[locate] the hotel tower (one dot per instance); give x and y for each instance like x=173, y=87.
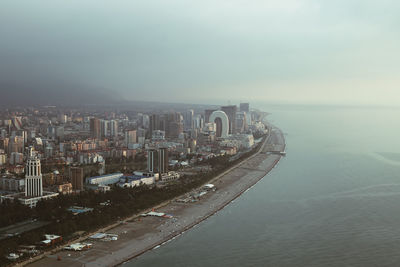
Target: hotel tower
x=33, y=177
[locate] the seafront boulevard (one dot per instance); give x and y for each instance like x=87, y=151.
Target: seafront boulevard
x=140, y=234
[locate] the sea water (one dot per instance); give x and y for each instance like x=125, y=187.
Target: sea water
x=334, y=200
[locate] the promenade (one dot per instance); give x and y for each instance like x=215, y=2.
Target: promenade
x=140, y=234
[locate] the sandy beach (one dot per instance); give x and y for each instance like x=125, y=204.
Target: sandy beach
x=140, y=234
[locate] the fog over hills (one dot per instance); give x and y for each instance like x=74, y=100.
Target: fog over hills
x=20, y=93
x=291, y=51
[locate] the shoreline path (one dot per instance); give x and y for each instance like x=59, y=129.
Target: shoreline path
x=137, y=236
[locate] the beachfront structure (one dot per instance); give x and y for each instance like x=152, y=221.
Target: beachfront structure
x=240, y=141
x=78, y=246
x=105, y=179
x=137, y=179
x=170, y=176
x=222, y=123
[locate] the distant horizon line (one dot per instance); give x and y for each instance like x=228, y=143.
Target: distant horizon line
x=213, y=103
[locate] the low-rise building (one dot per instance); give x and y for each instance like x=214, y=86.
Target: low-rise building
x=12, y=184
x=103, y=188
x=29, y=201
x=137, y=179
x=170, y=176
x=105, y=179
x=64, y=188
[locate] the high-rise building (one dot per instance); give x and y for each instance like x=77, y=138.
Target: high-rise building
x=62, y=118
x=3, y=159
x=16, y=158
x=157, y=160
x=231, y=112
x=198, y=122
x=245, y=107
x=16, y=144
x=174, y=129
x=60, y=133
x=163, y=160
x=154, y=123
x=241, y=122
x=188, y=119
x=130, y=137
x=152, y=160
x=51, y=131
x=17, y=122
x=76, y=175
x=146, y=121
x=114, y=128
x=33, y=177
x=95, y=128
x=173, y=124
x=104, y=128
x=207, y=114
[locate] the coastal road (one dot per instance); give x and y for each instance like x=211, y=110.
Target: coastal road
x=142, y=234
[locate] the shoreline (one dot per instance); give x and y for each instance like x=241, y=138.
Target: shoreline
x=144, y=234
x=213, y=212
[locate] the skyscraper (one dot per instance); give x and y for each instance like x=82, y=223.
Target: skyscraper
x=241, y=122
x=188, y=119
x=114, y=128
x=157, y=160
x=17, y=122
x=245, y=107
x=163, y=160
x=231, y=112
x=154, y=123
x=95, y=128
x=33, y=177
x=207, y=114
x=173, y=124
x=104, y=128
x=152, y=160
x=130, y=137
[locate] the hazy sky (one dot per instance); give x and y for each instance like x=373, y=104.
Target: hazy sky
x=306, y=51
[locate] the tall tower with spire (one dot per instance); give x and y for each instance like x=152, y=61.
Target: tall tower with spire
x=33, y=176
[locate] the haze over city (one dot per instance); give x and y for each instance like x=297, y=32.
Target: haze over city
x=305, y=51
x=199, y=133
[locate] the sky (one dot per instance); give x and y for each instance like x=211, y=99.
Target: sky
x=281, y=51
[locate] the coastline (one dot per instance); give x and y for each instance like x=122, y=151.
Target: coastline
x=140, y=235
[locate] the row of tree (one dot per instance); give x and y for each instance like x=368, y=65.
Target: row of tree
x=124, y=202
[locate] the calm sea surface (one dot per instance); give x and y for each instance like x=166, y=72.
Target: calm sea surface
x=334, y=200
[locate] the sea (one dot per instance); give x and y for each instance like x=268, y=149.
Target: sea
x=334, y=200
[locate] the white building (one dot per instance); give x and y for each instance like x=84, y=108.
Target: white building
x=105, y=179
x=222, y=123
x=33, y=177
x=33, y=184
x=137, y=179
x=244, y=141
x=170, y=176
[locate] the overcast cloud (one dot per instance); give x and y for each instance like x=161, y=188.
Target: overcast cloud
x=296, y=51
